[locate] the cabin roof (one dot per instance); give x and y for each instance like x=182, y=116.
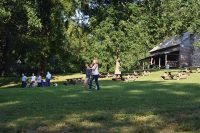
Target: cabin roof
x=173, y=41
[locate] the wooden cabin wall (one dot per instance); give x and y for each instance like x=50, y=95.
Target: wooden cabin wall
x=196, y=57
x=186, y=50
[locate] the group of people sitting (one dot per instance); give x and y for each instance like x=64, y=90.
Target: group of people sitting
x=36, y=81
x=169, y=76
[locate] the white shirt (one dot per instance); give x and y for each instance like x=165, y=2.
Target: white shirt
x=39, y=79
x=48, y=76
x=33, y=78
x=24, y=78
x=95, y=69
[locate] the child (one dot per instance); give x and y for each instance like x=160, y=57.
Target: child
x=88, y=75
x=42, y=83
x=24, y=78
x=39, y=80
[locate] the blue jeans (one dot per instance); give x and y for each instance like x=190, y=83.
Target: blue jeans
x=39, y=84
x=47, y=82
x=23, y=84
x=94, y=77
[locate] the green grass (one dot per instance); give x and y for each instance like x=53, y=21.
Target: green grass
x=148, y=105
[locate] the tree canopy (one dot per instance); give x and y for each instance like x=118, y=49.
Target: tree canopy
x=39, y=35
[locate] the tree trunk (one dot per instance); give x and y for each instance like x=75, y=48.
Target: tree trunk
x=43, y=65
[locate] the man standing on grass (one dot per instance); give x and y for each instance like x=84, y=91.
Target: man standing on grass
x=48, y=78
x=24, y=78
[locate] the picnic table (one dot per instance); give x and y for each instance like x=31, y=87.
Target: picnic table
x=193, y=69
x=106, y=75
x=73, y=81
x=180, y=75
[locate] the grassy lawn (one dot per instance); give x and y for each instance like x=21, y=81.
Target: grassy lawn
x=148, y=105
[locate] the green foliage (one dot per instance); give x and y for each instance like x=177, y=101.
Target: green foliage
x=42, y=36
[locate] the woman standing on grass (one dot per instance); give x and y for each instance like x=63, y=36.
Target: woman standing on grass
x=95, y=74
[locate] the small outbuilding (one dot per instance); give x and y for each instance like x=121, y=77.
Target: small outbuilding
x=178, y=51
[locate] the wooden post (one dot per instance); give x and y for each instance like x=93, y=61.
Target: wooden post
x=143, y=65
x=159, y=62
x=165, y=59
x=151, y=61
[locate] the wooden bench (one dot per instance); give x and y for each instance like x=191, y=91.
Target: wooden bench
x=182, y=76
x=146, y=73
x=106, y=75
x=131, y=78
x=193, y=69
x=118, y=78
x=135, y=73
x=74, y=81
x=198, y=70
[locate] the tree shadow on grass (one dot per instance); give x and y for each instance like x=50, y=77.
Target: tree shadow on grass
x=141, y=106
x=8, y=81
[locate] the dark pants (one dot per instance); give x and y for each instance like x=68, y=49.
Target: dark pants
x=94, y=77
x=39, y=84
x=23, y=84
x=47, y=82
x=31, y=84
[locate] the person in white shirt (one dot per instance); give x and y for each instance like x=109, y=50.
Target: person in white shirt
x=95, y=74
x=33, y=79
x=24, y=78
x=39, y=80
x=48, y=79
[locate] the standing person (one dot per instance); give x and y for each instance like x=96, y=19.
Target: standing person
x=33, y=78
x=87, y=75
x=117, y=68
x=48, y=78
x=24, y=78
x=39, y=81
x=95, y=74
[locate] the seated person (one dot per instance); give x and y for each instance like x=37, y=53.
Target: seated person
x=135, y=73
x=170, y=75
x=165, y=76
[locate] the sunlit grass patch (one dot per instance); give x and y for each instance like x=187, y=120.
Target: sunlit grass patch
x=148, y=105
